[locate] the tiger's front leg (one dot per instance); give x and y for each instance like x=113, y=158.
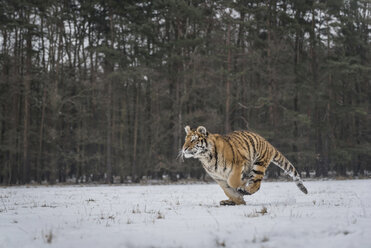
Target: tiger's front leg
x=235, y=198
x=230, y=187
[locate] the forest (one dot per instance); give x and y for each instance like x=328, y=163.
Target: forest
x=100, y=91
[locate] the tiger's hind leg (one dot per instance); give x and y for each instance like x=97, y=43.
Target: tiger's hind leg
x=255, y=177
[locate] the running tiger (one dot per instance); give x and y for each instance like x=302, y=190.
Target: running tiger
x=236, y=161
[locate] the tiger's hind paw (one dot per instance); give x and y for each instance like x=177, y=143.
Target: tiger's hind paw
x=243, y=191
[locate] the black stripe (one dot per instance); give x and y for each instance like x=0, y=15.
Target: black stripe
x=247, y=139
x=275, y=156
x=256, y=180
x=240, y=144
x=227, y=139
x=262, y=156
x=258, y=172
x=210, y=157
x=244, y=145
x=247, y=146
x=239, y=141
x=258, y=142
x=259, y=163
x=252, y=144
x=282, y=160
x=253, y=136
x=244, y=175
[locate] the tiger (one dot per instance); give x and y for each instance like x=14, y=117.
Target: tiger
x=236, y=161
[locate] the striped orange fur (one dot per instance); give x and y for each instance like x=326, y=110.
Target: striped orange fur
x=236, y=161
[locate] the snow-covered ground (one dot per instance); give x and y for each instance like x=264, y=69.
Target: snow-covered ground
x=333, y=214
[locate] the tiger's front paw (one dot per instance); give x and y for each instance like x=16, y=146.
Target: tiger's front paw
x=227, y=203
x=243, y=191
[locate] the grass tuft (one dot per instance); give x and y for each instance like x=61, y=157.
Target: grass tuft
x=49, y=237
x=256, y=213
x=220, y=243
x=160, y=215
x=265, y=239
x=263, y=211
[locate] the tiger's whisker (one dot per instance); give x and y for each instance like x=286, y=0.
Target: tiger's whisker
x=180, y=156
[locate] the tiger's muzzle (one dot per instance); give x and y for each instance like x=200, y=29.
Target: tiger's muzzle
x=189, y=153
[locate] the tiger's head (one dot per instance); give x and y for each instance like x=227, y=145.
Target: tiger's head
x=195, y=145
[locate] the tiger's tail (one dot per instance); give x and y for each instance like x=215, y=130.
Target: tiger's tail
x=282, y=162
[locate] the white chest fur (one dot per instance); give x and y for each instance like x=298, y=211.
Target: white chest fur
x=215, y=170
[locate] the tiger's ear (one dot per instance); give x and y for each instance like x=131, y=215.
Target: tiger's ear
x=187, y=129
x=202, y=130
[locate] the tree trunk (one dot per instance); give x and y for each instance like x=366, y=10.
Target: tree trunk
x=298, y=37
x=109, y=69
x=320, y=170
x=41, y=134
x=228, y=82
x=269, y=66
x=109, y=133
x=55, y=105
x=134, y=168
x=26, y=116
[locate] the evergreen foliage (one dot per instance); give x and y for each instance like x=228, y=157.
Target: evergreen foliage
x=93, y=89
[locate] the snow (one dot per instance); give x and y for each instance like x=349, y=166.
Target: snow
x=333, y=214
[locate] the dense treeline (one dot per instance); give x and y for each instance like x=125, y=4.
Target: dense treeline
x=92, y=90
